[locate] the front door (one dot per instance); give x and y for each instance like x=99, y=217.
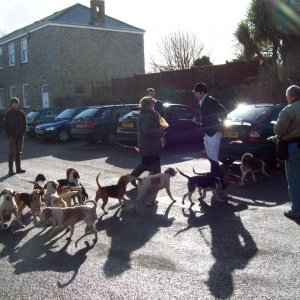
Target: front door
x=45, y=96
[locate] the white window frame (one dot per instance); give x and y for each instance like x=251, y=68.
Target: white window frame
x=1, y=58
x=25, y=89
x=2, y=98
x=24, y=50
x=11, y=54
x=12, y=91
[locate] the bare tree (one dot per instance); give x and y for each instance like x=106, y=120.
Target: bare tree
x=176, y=51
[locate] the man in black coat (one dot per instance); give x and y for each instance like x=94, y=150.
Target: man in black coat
x=14, y=124
x=210, y=114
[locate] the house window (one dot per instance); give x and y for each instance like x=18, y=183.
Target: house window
x=26, y=95
x=1, y=98
x=11, y=54
x=1, y=58
x=13, y=91
x=24, y=50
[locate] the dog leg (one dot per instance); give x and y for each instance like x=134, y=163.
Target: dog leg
x=190, y=198
x=18, y=219
x=105, y=200
x=71, y=232
x=184, y=196
x=170, y=195
x=253, y=177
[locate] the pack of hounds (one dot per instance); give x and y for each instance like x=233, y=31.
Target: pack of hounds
x=64, y=202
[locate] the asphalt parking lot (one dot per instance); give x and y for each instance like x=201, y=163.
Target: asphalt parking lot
x=243, y=249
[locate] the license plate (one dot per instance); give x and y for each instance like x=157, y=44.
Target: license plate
x=38, y=131
x=230, y=134
x=127, y=125
x=80, y=126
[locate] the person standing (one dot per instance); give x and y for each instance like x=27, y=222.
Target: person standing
x=209, y=115
x=150, y=133
x=288, y=128
x=14, y=124
x=159, y=105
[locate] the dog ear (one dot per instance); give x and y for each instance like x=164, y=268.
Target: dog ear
x=2, y=192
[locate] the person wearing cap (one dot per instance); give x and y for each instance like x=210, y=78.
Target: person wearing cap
x=159, y=105
x=209, y=116
x=14, y=124
x=150, y=133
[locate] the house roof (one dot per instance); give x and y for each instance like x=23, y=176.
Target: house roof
x=75, y=15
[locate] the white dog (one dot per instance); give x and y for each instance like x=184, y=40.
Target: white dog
x=9, y=207
x=67, y=217
x=154, y=183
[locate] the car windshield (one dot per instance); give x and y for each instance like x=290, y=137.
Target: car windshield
x=249, y=113
x=86, y=114
x=66, y=114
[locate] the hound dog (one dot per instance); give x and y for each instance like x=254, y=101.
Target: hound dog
x=32, y=200
x=9, y=207
x=55, y=199
x=67, y=217
x=204, y=183
x=154, y=183
x=113, y=191
x=72, y=180
x=226, y=180
x=252, y=165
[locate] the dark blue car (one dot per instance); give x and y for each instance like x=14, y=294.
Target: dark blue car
x=60, y=128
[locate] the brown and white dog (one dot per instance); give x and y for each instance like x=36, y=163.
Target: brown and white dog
x=154, y=183
x=72, y=180
x=67, y=217
x=252, y=165
x=55, y=198
x=9, y=207
x=116, y=191
x=32, y=200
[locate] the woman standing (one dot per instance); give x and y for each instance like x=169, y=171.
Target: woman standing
x=150, y=135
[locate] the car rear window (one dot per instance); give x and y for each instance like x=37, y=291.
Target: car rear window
x=67, y=113
x=30, y=116
x=249, y=113
x=86, y=114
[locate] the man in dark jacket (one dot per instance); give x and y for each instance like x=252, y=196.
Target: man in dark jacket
x=14, y=124
x=210, y=114
x=159, y=105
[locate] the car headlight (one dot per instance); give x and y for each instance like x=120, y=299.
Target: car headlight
x=50, y=128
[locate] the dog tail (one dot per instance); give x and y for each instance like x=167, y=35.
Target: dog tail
x=183, y=174
x=198, y=173
x=97, y=181
x=91, y=201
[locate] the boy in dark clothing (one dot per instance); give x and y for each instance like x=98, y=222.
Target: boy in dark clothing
x=14, y=124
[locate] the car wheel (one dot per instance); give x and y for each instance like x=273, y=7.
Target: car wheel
x=111, y=139
x=92, y=141
x=64, y=136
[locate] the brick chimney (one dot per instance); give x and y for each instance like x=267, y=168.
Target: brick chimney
x=97, y=12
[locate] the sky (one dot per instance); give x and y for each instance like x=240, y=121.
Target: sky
x=212, y=21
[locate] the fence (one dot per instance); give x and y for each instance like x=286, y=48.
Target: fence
x=233, y=73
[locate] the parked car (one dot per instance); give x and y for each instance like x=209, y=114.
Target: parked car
x=60, y=128
x=246, y=130
x=182, y=128
x=40, y=116
x=99, y=123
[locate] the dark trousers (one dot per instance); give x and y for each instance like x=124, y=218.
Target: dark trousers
x=15, y=146
x=148, y=163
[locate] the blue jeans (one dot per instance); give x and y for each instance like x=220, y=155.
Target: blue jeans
x=292, y=169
